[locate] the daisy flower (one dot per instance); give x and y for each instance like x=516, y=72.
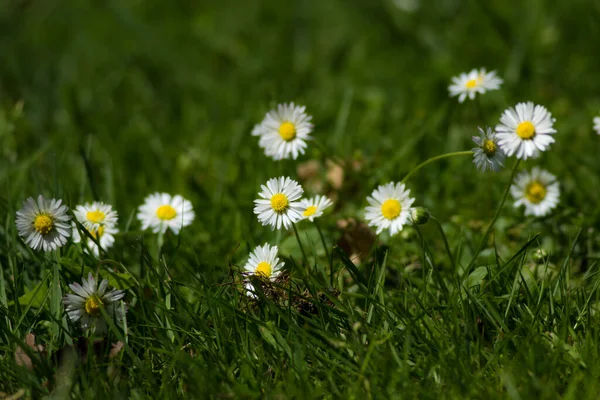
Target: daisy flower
x=43, y=224
x=538, y=190
x=476, y=81
x=278, y=205
x=525, y=130
x=597, y=125
x=95, y=215
x=161, y=211
x=314, y=207
x=284, y=132
x=104, y=234
x=389, y=208
x=487, y=154
x=86, y=303
x=262, y=262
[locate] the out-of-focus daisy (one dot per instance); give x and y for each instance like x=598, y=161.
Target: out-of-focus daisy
x=104, y=235
x=278, y=205
x=161, y=211
x=597, y=125
x=537, y=190
x=95, y=215
x=284, y=132
x=86, y=303
x=476, y=81
x=389, y=208
x=44, y=224
x=262, y=262
x=487, y=154
x=525, y=130
x=314, y=207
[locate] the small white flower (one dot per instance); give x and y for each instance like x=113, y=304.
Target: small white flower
x=314, y=207
x=43, y=225
x=262, y=262
x=389, y=208
x=86, y=304
x=278, y=205
x=104, y=234
x=525, y=130
x=95, y=215
x=538, y=190
x=597, y=125
x=476, y=81
x=487, y=154
x=284, y=132
x=161, y=211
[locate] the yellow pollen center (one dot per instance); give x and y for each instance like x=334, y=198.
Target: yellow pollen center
x=489, y=147
x=97, y=234
x=535, y=192
x=95, y=216
x=287, y=131
x=310, y=210
x=93, y=305
x=166, y=212
x=391, y=208
x=471, y=84
x=279, y=202
x=43, y=224
x=526, y=130
x=264, y=269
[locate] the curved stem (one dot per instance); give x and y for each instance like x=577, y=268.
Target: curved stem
x=300, y=244
x=432, y=159
x=329, y=258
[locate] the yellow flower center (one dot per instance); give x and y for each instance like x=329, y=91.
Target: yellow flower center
x=98, y=233
x=526, y=130
x=471, y=84
x=310, y=210
x=93, y=304
x=95, y=216
x=43, y=224
x=535, y=192
x=287, y=131
x=489, y=147
x=391, y=208
x=166, y=212
x=264, y=269
x=279, y=202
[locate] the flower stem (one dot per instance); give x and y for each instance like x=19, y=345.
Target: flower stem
x=494, y=219
x=432, y=159
x=329, y=257
x=300, y=244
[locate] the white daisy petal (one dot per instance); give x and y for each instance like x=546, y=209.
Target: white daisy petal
x=487, y=154
x=41, y=223
x=476, y=81
x=280, y=206
x=313, y=208
x=161, y=211
x=389, y=208
x=597, y=125
x=537, y=190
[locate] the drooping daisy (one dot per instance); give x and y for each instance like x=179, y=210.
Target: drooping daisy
x=284, y=132
x=476, y=81
x=44, y=224
x=95, y=215
x=263, y=262
x=278, y=205
x=161, y=211
x=389, y=208
x=538, y=190
x=597, y=125
x=314, y=207
x=487, y=154
x=525, y=130
x=104, y=235
x=86, y=303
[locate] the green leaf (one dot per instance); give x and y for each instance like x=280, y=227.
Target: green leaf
x=476, y=277
x=36, y=296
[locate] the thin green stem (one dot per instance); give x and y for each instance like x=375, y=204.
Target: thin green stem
x=329, y=258
x=494, y=219
x=300, y=244
x=432, y=159
x=446, y=244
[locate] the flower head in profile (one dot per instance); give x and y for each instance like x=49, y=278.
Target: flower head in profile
x=389, y=208
x=264, y=263
x=537, y=190
x=104, y=235
x=161, y=211
x=597, y=125
x=477, y=81
x=44, y=224
x=88, y=301
x=96, y=214
x=283, y=132
x=525, y=130
x=278, y=204
x=314, y=207
x=487, y=154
